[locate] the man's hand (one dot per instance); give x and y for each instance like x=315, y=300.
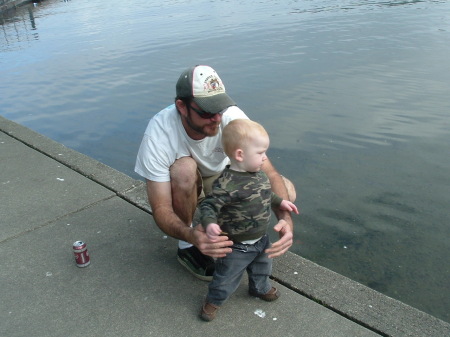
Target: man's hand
x=284, y=243
x=217, y=248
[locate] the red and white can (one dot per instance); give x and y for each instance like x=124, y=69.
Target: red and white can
x=81, y=254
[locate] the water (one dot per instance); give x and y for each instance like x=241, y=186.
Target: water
x=355, y=96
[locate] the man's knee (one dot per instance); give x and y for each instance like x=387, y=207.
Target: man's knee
x=183, y=174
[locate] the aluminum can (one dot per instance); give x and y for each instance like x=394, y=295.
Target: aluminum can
x=81, y=254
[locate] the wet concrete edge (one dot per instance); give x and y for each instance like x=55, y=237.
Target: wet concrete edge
x=367, y=307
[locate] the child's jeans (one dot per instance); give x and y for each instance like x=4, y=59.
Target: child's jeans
x=230, y=269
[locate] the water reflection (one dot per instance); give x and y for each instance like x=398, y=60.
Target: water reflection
x=17, y=28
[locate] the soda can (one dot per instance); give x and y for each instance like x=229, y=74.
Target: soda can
x=81, y=254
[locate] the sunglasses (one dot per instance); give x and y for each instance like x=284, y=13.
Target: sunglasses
x=204, y=114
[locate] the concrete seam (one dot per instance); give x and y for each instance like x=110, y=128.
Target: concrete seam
x=48, y=223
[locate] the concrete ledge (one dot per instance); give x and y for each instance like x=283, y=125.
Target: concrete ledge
x=348, y=298
x=355, y=301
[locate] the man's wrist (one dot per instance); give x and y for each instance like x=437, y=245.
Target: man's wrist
x=286, y=216
x=190, y=235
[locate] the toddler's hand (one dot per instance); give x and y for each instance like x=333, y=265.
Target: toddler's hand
x=288, y=206
x=213, y=231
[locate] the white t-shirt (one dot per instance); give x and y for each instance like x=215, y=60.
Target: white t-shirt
x=165, y=140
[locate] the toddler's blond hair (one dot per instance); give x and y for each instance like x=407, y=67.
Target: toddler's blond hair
x=238, y=133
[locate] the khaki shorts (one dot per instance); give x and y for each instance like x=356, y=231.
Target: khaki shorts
x=204, y=185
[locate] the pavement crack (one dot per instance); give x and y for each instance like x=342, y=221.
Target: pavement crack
x=58, y=218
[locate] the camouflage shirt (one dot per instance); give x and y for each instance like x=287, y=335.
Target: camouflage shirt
x=240, y=203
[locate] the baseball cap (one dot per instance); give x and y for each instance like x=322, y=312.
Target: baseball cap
x=204, y=86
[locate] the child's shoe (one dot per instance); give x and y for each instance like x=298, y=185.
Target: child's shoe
x=208, y=312
x=270, y=296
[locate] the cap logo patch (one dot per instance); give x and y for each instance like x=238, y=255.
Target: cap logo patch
x=211, y=84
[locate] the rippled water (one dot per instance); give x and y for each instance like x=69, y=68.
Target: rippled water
x=355, y=96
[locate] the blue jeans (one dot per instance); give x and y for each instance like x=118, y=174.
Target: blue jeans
x=230, y=269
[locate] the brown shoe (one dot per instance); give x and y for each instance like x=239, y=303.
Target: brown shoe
x=208, y=312
x=270, y=296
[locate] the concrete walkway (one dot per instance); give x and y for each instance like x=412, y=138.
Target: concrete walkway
x=51, y=196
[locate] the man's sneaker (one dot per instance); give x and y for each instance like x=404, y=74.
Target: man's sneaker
x=270, y=296
x=208, y=312
x=201, y=266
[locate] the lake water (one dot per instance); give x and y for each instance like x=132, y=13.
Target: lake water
x=354, y=94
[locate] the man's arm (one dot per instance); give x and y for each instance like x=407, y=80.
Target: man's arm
x=160, y=199
x=285, y=226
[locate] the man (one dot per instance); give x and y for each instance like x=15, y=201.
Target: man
x=181, y=155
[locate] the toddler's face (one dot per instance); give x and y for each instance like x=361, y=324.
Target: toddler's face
x=255, y=153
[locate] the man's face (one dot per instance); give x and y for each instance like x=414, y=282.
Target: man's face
x=198, y=127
